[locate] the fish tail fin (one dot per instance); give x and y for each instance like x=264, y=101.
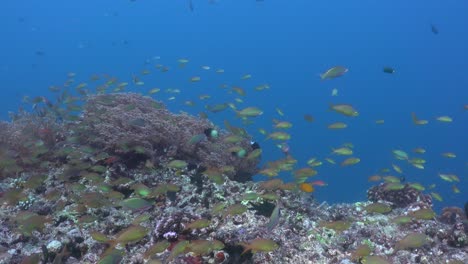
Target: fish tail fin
x=413, y=116
x=246, y=248
x=112, y=243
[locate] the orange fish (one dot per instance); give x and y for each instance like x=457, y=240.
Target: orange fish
x=375, y=178
x=306, y=187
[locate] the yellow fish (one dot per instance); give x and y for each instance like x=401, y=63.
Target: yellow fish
x=350, y=161
x=344, y=109
x=334, y=72
x=446, y=119
x=337, y=125
x=450, y=155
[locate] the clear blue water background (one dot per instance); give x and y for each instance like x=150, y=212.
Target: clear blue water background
x=285, y=44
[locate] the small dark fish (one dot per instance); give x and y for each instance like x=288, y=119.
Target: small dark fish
x=254, y=145
x=211, y=133
x=388, y=70
x=434, y=29
x=40, y=53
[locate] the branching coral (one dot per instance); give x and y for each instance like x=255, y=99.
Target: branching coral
x=123, y=124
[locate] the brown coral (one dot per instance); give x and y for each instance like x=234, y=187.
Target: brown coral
x=399, y=198
x=451, y=215
x=126, y=124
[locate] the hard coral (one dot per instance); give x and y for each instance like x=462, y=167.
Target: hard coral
x=193, y=260
x=169, y=227
x=450, y=215
x=459, y=236
x=399, y=198
x=26, y=142
x=131, y=124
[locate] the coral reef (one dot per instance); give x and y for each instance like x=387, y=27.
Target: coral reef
x=399, y=198
x=127, y=182
x=129, y=124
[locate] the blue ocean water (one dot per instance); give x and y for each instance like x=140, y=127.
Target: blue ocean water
x=285, y=44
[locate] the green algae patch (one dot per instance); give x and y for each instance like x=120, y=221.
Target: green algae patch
x=411, y=241
x=135, y=204
x=380, y=208
x=338, y=226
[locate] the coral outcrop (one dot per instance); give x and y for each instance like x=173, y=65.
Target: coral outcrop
x=129, y=182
